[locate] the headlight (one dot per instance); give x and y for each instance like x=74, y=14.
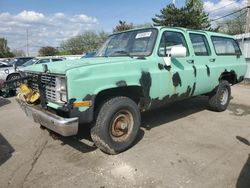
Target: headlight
x=63, y=86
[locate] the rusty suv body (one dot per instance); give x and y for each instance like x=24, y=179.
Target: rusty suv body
x=143, y=68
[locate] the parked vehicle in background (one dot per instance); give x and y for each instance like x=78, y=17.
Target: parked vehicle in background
x=19, y=61
x=4, y=64
x=9, y=73
x=38, y=60
x=133, y=71
x=89, y=55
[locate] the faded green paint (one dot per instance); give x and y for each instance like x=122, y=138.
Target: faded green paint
x=93, y=75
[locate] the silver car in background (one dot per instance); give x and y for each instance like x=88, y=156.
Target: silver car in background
x=13, y=72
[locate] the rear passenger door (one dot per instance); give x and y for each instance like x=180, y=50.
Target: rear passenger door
x=228, y=55
x=203, y=59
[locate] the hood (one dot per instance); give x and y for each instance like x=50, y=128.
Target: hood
x=61, y=67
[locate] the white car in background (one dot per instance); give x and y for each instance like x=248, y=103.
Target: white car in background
x=10, y=73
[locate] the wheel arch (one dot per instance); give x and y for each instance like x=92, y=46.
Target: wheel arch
x=133, y=92
x=11, y=74
x=231, y=77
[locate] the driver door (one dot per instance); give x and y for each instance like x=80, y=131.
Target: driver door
x=177, y=74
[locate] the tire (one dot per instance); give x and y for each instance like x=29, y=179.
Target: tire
x=117, y=125
x=13, y=76
x=220, y=98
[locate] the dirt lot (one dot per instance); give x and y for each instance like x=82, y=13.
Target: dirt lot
x=181, y=145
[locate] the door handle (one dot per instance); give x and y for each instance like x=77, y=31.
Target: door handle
x=212, y=60
x=191, y=61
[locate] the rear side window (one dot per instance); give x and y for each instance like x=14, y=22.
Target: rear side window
x=43, y=61
x=53, y=60
x=200, y=44
x=226, y=46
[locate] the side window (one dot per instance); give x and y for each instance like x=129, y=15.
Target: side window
x=226, y=46
x=169, y=40
x=43, y=61
x=20, y=62
x=200, y=44
x=53, y=60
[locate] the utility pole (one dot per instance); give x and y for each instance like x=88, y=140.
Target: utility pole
x=27, y=42
x=248, y=18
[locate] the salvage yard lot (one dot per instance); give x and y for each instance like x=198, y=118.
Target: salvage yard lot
x=181, y=145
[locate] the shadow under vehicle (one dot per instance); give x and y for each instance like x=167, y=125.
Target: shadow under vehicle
x=6, y=149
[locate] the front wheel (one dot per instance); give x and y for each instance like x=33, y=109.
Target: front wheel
x=220, y=98
x=117, y=125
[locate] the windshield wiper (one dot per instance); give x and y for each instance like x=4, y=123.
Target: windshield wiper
x=123, y=52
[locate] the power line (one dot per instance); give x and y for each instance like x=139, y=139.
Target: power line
x=230, y=13
x=223, y=7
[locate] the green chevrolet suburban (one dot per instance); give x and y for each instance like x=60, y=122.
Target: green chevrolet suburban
x=133, y=71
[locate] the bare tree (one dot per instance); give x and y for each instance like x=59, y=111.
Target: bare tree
x=123, y=26
x=18, y=53
x=235, y=25
x=48, y=51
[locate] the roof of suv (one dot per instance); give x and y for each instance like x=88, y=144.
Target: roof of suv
x=210, y=33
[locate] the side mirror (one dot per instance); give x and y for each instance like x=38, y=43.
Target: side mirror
x=178, y=51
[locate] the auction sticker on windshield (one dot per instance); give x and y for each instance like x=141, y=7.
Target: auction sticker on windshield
x=143, y=35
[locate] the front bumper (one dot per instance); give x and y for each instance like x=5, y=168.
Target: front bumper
x=62, y=126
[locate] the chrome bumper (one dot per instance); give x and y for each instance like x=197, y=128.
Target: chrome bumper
x=62, y=126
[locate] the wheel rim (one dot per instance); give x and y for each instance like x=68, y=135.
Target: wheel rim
x=121, y=126
x=224, y=96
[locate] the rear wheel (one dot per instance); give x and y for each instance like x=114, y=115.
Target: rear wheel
x=220, y=98
x=117, y=125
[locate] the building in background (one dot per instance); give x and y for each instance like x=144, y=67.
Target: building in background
x=244, y=41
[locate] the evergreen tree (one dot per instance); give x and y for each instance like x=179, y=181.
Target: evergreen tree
x=192, y=16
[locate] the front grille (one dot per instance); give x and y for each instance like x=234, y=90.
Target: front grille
x=49, y=83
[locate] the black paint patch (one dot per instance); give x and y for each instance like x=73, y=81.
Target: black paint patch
x=195, y=71
x=176, y=80
x=173, y=98
x=160, y=66
x=89, y=97
x=121, y=83
x=146, y=83
x=208, y=70
x=193, y=90
x=167, y=67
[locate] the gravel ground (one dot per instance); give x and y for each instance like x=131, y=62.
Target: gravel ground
x=181, y=145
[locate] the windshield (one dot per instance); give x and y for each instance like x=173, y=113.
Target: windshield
x=131, y=43
x=30, y=62
x=12, y=62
